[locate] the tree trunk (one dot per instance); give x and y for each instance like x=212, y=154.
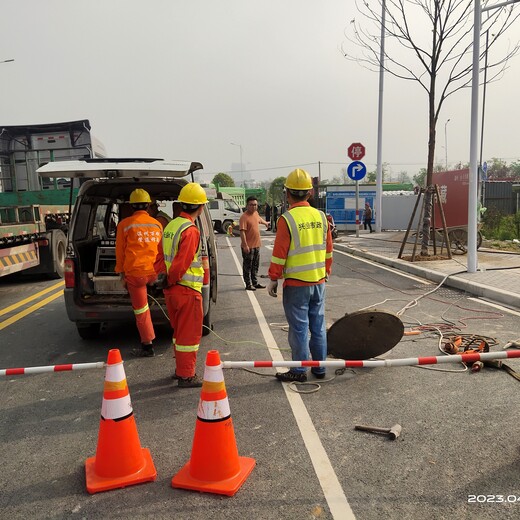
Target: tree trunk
x=428, y=196
x=427, y=218
x=432, y=120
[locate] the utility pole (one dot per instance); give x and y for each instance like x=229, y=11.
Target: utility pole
x=472, y=258
x=379, y=176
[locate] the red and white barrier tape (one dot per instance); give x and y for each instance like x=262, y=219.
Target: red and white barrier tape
x=50, y=368
x=403, y=362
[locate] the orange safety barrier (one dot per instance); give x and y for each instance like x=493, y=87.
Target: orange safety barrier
x=214, y=466
x=120, y=461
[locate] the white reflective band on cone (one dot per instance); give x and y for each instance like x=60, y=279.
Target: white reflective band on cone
x=115, y=373
x=213, y=410
x=116, y=408
x=214, y=374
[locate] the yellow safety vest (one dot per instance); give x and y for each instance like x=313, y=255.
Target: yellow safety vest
x=194, y=276
x=307, y=252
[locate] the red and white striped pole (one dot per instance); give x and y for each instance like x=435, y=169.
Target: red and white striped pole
x=337, y=363
x=402, y=362
x=50, y=368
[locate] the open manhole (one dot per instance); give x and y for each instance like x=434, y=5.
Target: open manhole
x=364, y=334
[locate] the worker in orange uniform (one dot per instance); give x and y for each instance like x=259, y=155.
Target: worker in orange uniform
x=302, y=255
x=179, y=258
x=137, y=242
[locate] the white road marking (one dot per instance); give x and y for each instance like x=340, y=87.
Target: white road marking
x=336, y=499
x=380, y=266
x=496, y=306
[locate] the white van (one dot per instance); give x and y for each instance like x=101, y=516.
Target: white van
x=93, y=292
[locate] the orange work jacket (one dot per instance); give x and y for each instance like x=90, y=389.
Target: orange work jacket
x=137, y=241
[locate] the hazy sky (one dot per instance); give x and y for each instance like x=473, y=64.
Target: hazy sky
x=182, y=79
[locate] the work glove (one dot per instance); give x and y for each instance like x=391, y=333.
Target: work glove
x=162, y=281
x=272, y=287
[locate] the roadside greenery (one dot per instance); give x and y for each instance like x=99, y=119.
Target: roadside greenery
x=223, y=180
x=497, y=226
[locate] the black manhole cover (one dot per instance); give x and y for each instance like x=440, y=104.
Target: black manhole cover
x=364, y=334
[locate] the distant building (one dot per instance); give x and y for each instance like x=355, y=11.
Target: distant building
x=241, y=178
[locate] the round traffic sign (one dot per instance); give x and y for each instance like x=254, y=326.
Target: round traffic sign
x=356, y=170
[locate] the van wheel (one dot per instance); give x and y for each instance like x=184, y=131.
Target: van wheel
x=59, y=249
x=207, y=326
x=88, y=330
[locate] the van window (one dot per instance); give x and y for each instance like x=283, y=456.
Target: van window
x=213, y=204
x=231, y=205
x=100, y=222
x=82, y=222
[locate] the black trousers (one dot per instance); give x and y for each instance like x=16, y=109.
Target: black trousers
x=250, y=265
x=368, y=222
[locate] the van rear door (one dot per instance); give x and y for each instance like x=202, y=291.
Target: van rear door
x=118, y=168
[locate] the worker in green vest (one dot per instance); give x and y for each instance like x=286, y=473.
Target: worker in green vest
x=302, y=256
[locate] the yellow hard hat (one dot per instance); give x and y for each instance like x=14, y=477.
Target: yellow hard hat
x=139, y=196
x=298, y=180
x=193, y=193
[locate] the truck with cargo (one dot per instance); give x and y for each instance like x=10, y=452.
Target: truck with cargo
x=34, y=212
x=224, y=210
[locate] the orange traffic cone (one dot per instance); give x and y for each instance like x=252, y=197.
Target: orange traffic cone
x=120, y=461
x=215, y=466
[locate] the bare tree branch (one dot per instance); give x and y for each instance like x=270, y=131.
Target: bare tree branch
x=430, y=42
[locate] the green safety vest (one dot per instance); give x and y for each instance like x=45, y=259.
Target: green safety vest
x=194, y=276
x=308, y=249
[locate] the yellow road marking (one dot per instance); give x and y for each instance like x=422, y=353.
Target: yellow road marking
x=31, y=298
x=32, y=308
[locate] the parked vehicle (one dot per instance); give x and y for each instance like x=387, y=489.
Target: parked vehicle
x=93, y=292
x=224, y=212
x=34, y=213
x=453, y=191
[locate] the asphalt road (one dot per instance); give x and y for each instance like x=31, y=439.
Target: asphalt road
x=458, y=456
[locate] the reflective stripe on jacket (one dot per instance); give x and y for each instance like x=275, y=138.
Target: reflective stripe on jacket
x=307, y=251
x=194, y=275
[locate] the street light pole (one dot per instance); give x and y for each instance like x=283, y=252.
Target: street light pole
x=473, y=147
x=446, y=141
x=379, y=176
x=473, y=144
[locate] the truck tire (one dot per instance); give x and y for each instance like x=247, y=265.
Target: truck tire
x=59, y=250
x=88, y=330
x=225, y=226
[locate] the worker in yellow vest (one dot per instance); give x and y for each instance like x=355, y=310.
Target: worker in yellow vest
x=179, y=257
x=302, y=255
